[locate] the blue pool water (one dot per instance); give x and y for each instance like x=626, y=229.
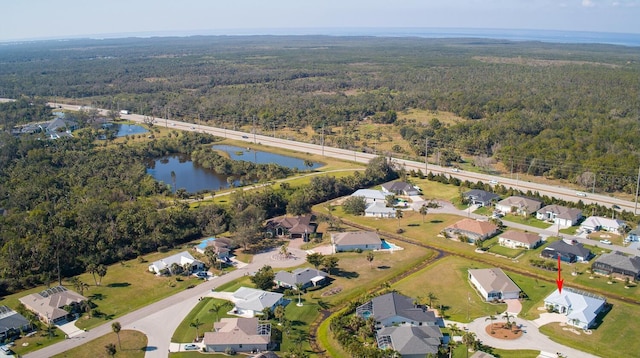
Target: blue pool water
x=203, y=245
x=388, y=246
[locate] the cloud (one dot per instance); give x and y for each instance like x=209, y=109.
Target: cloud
x=588, y=3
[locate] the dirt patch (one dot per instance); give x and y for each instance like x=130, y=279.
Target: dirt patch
x=498, y=330
x=332, y=292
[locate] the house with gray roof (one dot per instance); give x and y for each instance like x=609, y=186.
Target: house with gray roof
x=239, y=334
x=618, y=263
x=633, y=235
x=355, y=240
x=394, y=309
x=399, y=188
x=493, y=284
x=581, y=308
x=305, y=276
x=12, y=323
x=249, y=302
x=560, y=215
x=518, y=205
x=410, y=341
x=480, y=197
x=568, y=250
x=292, y=227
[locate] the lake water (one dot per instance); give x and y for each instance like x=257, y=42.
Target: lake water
x=260, y=157
x=195, y=179
x=129, y=129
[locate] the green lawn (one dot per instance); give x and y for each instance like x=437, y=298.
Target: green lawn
x=529, y=220
x=39, y=340
x=186, y=334
x=447, y=279
x=505, y=251
x=133, y=345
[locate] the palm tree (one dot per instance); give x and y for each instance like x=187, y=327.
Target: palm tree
x=111, y=349
x=455, y=330
x=432, y=297
x=79, y=285
x=173, y=180
x=196, y=324
x=101, y=270
x=491, y=318
x=299, y=288
x=92, y=269
x=508, y=317
x=216, y=307
x=116, y=327
x=469, y=340
x=279, y=313
x=423, y=211
x=315, y=259
x=370, y=258
x=399, y=216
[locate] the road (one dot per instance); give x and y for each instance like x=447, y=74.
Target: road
x=359, y=157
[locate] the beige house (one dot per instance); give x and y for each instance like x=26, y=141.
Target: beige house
x=49, y=304
x=239, y=335
x=355, y=240
x=518, y=239
x=493, y=284
x=472, y=229
x=518, y=205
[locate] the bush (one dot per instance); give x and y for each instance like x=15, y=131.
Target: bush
x=163, y=248
x=358, y=250
x=399, y=231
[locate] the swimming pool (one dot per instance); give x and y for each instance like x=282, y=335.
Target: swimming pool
x=389, y=246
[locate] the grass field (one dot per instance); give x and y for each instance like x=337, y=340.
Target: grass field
x=133, y=345
x=39, y=340
x=531, y=221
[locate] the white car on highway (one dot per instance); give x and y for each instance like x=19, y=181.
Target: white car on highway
x=606, y=242
x=582, y=194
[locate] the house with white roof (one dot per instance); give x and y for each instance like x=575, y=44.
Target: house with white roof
x=581, y=308
x=249, y=302
x=597, y=223
x=182, y=259
x=370, y=195
x=493, y=284
x=379, y=209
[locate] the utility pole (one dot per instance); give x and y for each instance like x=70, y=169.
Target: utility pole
x=635, y=209
x=254, y=129
x=323, y=139
x=426, y=155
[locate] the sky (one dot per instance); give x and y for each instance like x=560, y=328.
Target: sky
x=45, y=19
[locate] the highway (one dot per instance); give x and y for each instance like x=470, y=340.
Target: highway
x=359, y=157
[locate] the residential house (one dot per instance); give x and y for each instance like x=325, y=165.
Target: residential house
x=399, y=188
x=239, y=335
x=411, y=341
x=379, y=210
x=12, y=323
x=480, y=197
x=597, y=223
x=292, y=227
x=304, y=276
x=560, y=215
x=182, y=259
x=394, y=309
x=633, y=235
x=370, y=195
x=472, y=229
x=493, y=284
x=355, y=240
x=581, y=308
x=618, y=263
x=517, y=239
x=568, y=250
x=249, y=302
x=221, y=246
x=518, y=205
x=49, y=304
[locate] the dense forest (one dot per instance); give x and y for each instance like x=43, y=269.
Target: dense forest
x=74, y=202
x=565, y=111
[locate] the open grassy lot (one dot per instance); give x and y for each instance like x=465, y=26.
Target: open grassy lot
x=133, y=345
x=529, y=220
x=447, y=279
x=202, y=313
x=36, y=341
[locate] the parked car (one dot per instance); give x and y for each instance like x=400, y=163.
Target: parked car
x=191, y=347
x=582, y=194
x=493, y=182
x=606, y=242
x=245, y=137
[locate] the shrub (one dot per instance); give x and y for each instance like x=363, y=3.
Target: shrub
x=163, y=248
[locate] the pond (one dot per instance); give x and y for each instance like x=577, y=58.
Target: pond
x=195, y=179
x=260, y=157
x=128, y=129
